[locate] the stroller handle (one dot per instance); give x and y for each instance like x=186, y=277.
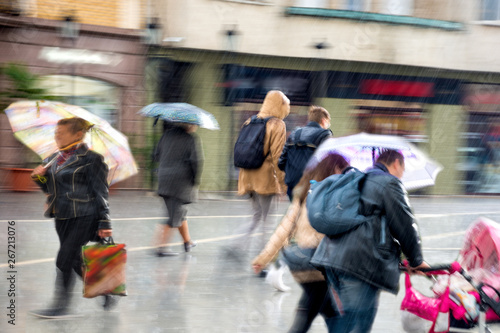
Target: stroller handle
x=439, y=268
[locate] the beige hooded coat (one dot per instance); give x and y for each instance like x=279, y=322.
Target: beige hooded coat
x=268, y=179
x=294, y=225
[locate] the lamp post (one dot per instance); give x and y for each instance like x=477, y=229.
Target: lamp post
x=322, y=81
x=70, y=30
x=152, y=33
x=151, y=38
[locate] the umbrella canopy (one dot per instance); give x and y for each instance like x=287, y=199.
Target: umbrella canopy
x=34, y=123
x=181, y=113
x=361, y=150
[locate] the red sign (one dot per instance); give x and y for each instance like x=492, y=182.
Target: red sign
x=397, y=88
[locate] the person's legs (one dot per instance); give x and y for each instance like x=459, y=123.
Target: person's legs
x=267, y=226
x=173, y=221
x=184, y=231
x=355, y=301
x=310, y=303
x=73, y=234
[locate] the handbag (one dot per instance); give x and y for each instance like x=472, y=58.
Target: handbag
x=422, y=314
x=104, y=269
x=297, y=258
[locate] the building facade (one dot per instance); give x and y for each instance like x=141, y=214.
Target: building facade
x=99, y=67
x=422, y=69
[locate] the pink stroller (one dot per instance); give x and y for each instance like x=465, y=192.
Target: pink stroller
x=466, y=291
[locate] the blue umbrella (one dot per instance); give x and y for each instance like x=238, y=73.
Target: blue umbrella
x=181, y=113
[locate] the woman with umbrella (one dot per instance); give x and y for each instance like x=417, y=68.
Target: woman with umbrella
x=75, y=181
x=178, y=177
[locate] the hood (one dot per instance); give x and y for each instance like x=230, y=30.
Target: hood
x=275, y=104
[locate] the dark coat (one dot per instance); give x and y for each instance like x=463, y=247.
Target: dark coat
x=298, y=150
x=79, y=188
x=372, y=251
x=179, y=164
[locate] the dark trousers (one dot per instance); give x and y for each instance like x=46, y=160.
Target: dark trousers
x=315, y=300
x=73, y=234
x=356, y=302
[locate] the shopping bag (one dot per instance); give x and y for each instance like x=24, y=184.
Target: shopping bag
x=423, y=314
x=104, y=269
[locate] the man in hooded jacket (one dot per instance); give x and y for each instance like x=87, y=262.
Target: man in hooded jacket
x=264, y=183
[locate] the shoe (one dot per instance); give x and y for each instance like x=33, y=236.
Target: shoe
x=189, y=245
x=166, y=253
x=54, y=314
x=110, y=302
x=275, y=278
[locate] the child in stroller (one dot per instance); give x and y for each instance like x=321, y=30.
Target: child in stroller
x=466, y=291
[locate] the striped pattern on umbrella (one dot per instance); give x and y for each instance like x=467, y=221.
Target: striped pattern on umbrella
x=34, y=123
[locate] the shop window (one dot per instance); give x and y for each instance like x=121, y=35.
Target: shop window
x=407, y=122
x=398, y=7
x=172, y=86
x=357, y=5
x=96, y=96
x=490, y=10
x=311, y=3
x=481, y=153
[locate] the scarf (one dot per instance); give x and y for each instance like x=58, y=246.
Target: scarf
x=65, y=154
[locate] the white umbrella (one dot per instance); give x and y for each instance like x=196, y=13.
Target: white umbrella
x=361, y=150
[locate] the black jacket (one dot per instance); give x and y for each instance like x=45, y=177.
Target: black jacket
x=179, y=164
x=299, y=148
x=79, y=188
x=372, y=251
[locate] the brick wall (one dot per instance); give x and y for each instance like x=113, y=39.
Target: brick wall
x=110, y=13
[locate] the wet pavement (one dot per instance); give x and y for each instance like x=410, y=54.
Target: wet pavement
x=206, y=290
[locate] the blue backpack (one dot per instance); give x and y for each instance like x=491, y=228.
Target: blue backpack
x=249, y=147
x=333, y=205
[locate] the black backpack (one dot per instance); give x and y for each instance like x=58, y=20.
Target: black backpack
x=298, y=155
x=249, y=147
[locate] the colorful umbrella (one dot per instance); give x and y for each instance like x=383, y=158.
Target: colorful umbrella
x=361, y=150
x=181, y=113
x=34, y=123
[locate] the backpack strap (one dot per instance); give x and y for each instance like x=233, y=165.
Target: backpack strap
x=265, y=121
x=297, y=135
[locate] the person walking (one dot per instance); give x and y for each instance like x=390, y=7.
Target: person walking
x=301, y=144
x=178, y=177
x=264, y=183
x=295, y=225
x=77, y=198
x=361, y=262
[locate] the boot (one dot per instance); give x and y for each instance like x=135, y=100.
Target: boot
x=59, y=308
x=275, y=278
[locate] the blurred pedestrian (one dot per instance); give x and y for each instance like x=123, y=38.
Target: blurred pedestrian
x=362, y=261
x=301, y=144
x=77, y=198
x=263, y=183
x=179, y=171
x=295, y=226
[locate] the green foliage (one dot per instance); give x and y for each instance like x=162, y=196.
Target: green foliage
x=23, y=85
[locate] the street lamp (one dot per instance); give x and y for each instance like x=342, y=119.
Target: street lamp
x=322, y=74
x=232, y=37
x=70, y=30
x=152, y=34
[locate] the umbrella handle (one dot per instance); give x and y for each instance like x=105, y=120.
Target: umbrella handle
x=50, y=162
